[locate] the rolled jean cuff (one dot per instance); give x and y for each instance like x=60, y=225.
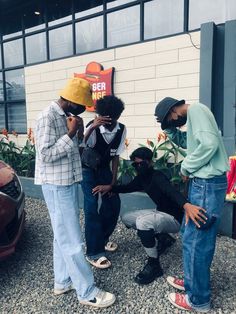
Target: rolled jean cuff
x=91, y=295
x=203, y=307
x=63, y=285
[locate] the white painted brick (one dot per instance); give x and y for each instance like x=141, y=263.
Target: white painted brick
x=173, y=42
x=196, y=38
x=41, y=87
x=66, y=63
x=156, y=58
x=136, y=74
x=138, y=121
x=53, y=76
x=32, y=79
x=189, y=53
x=146, y=133
x=138, y=98
x=145, y=109
x=32, y=97
x=189, y=80
x=135, y=50
x=58, y=85
x=188, y=93
x=119, y=65
x=49, y=96
x=157, y=83
x=129, y=110
x=125, y=87
x=100, y=56
x=130, y=132
x=178, y=68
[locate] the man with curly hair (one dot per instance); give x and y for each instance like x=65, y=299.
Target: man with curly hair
x=107, y=137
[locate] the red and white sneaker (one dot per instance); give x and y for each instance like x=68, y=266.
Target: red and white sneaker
x=179, y=301
x=176, y=282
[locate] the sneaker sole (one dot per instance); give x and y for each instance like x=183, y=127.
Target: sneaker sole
x=98, y=305
x=174, y=285
x=176, y=305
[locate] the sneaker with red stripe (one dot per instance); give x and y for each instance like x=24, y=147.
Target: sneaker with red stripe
x=176, y=282
x=179, y=301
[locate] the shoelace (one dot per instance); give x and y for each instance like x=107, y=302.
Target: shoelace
x=180, y=299
x=179, y=282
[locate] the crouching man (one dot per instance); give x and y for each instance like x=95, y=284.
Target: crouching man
x=151, y=223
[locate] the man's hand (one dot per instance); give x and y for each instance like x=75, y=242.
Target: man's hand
x=74, y=124
x=100, y=120
x=195, y=213
x=184, y=178
x=103, y=189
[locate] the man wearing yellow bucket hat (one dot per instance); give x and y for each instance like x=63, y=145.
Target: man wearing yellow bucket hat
x=58, y=170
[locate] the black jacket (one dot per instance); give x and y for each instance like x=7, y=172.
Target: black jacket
x=160, y=190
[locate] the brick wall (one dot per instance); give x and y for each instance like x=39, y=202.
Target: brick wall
x=144, y=74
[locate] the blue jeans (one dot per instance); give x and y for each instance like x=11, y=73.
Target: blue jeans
x=70, y=266
x=199, y=245
x=101, y=221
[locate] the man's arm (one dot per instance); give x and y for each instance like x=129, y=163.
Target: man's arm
x=133, y=186
x=51, y=148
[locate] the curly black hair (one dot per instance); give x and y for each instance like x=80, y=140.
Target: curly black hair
x=110, y=106
x=142, y=153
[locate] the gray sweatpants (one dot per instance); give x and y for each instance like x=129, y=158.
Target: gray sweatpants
x=151, y=219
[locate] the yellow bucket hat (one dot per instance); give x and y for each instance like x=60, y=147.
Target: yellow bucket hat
x=78, y=91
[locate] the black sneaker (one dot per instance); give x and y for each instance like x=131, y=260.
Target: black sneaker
x=164, y=242
x=150, y=272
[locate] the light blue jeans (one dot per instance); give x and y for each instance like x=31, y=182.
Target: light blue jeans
x=70, y=266
x=199, y=244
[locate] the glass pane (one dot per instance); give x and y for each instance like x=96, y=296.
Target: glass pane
x=163, y=17
x=84, y=7
x=17, y=117
x=59, y=11
x=112, y=3
x=33, y=17
x=123, y=26
x=203, y=11
x=87, y=36
x=10, y=24
x=15, y=84
x=0, y=57
x=36, y=48
x=1, y=88
x=60, y=42
x=13, y=53
x=2, y=117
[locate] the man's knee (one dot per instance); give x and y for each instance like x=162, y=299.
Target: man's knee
x=127, y=219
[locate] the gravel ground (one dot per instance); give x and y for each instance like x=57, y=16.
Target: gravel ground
x=26, y=278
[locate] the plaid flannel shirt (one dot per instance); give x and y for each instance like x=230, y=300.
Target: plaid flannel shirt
x=57, y=155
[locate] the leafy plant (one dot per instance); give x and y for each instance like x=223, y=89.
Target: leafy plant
x=21, y=159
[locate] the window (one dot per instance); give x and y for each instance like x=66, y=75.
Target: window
x=60, y=42
x=15, y=86
x=16, y=117
x=85, y=7
x=11, y=24
x=163, y=17
x=33, y=17
x=123, y=26
x=0, y=57
x=13, y=53
x=59, y=11
x=36, y=48
x=13, y=105
x=203, y=11
x=88, y=38
x=112, y=3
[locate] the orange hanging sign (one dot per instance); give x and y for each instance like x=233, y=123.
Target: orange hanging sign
x=101, y=81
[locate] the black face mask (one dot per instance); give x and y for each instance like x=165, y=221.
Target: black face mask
x=179, y=122
x=76, y=109
x=142, y=167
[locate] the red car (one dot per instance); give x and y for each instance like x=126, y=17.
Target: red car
x=12, y=214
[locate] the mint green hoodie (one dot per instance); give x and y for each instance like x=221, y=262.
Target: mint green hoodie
x=206, y=156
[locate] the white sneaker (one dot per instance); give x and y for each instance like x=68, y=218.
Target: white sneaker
x=62, y=291
x=101, y=300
